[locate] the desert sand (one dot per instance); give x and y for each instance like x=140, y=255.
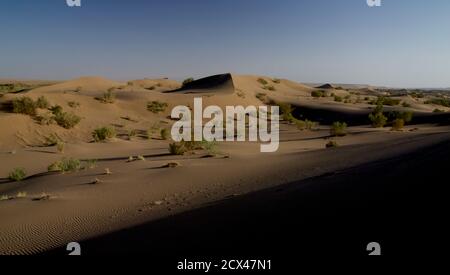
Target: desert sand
x=135, y=179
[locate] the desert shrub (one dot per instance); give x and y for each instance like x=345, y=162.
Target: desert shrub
x=338, y=129
x=262, y=81
x=331, y=144
x=317, y=94
x=387, y=101
x=377, y=117
x=156, y=106
x=164, y=134
x=90, y=164
x=417, y=95
x=188, y=80
x=438, y=111
x=51, y=140
x=65, y=165
x=276, y=81
x=240, y=94
x=42, y=103
x=269, y=87
x=405, y=116
x=305, y=124
x=337, y=98
x=45, y=119
x=132, y=133
x=209, y=146
x=439, y=101
x=406, y=105
x=378, y=120
x=56, y=109
x=398, y=124
x=261, y=96
x=18, y=174
x=67, y=120
x=108, y=97
x=177, y=148
x=73, y=104
x=60, y=146
x=24, y=105
x=103, y=133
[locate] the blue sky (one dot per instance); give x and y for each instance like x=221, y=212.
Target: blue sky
x=403, y=43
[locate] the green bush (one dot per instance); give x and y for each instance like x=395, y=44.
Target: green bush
x=387, y=101
x=261, y=96
x=338, y=98
x=378, y=120
x=56, y=109
x=45, y=119
x=377, y=117
x=305, y=124
x=263, y=81
x=108, y=97
x=164, y=134
x=398, y=124
x=67, y=120
x=177, y=148
x=317, y=94
x=24, y=105
x=439, y=101
x=188, y=80
x=42, y=103
x=338, y=129
x=18, y=174
x=65, y=165
x=269, y=87
x=156, y=106
x=103, y=133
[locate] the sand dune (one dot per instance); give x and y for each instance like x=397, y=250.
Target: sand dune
x=90, y=202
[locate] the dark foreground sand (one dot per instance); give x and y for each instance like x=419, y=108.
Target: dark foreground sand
x=398, y=202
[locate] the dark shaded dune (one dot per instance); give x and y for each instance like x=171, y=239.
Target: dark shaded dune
x=222, y=83
x=328, y=114
x=326, y=86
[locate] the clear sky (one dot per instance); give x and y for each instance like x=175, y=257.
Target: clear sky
x=403, y=43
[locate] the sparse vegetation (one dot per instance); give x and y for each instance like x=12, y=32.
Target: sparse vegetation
x=156, y=106
x=67, y=120
x=108, y=98
x=5, y=198
x=45, y=119
x=305, y=124
x=103, y=133
x=90, y=164
x=42, y=103
x=406, y=105
x=269, y=88
x=276, y=81
x=318, y=94
x=331, y=144
x=439, y=101
x=338, y=129
x=240, y=93
x=262, y=81
x=73, y=104
x=187, y=81
x=398, y=124
x=438, y=111
x=261, y=96
x=21, y=195
x=65, y=165
x=18, y=174
x=386, y=101
x=337, y=98
x=24, y=105
x=377, y=117
x=164, y=134
x=132, y=133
